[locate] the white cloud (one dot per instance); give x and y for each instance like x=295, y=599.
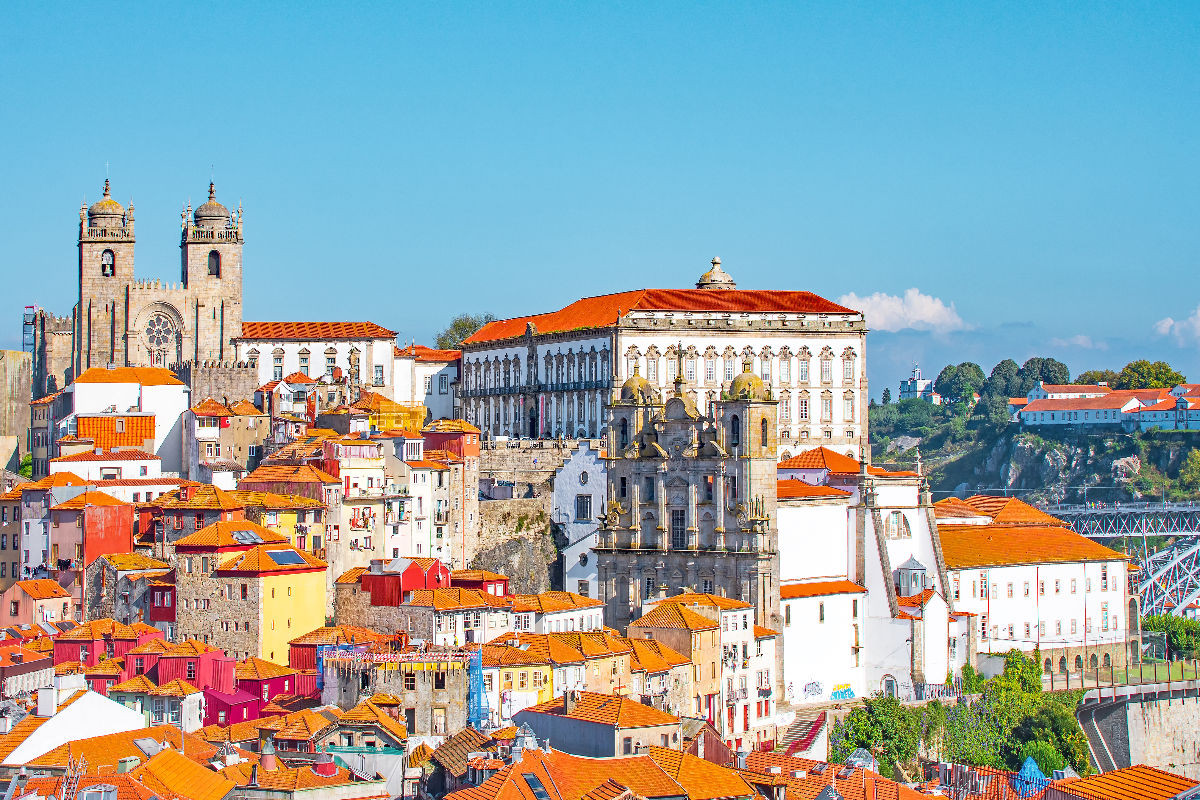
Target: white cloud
x=1184, y=331
x=889, y=312
x=1082, y=341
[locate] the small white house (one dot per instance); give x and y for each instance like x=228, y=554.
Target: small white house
x=577, y=507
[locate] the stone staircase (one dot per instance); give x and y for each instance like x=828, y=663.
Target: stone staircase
x=804, y=730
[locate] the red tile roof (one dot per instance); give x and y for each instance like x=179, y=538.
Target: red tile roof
x=288, y=473
x=791, y=489
x=604, y=310
x=102, y=429
x=1075, y=388
x=675, y=617
x=146, y=376
x=450, y=426
x=792, y=591
x=706, y=599
x=310, y=331
x=272, y=558
x=549, y=602
x=971, y=546
x=43, y=589
x=107, y=455
x=225, y=534
x=1112, y=402
x=86, y=498
x=606, y=709
x=822, y=458
x=420, y=352
x=1138, y=782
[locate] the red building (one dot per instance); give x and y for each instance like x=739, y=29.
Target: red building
x=389, y=582
x=480, y=579
x=101, y=639
x=87, y=526
x=264, y=680
x=226, y=708
x=197, y=663
x=162, y=598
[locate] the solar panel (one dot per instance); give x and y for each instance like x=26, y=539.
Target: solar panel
x=247, y=537
x=535, y=784
x=285, y=557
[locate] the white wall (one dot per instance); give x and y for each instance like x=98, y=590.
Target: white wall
x=167, y=403
x=581, y=534
x=814, y=539
x=819, y=664
x=371, y=353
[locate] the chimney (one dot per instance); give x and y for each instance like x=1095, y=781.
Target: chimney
x=266, y=757
x=740, y=759
x=570, y=699
x=127, y=763
x=324, y=765
x=47, y=701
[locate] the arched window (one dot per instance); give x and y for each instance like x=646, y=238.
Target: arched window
x=214, y=263
x=764, y=432
x=624, y=427
x=735, y=431
x=1078, y=663
x=108, y=264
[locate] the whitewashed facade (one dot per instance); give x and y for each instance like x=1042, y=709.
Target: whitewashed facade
x=553, y=374
x=363, y=351
x=580, y=486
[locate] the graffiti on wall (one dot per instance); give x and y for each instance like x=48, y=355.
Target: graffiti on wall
x=842, y=692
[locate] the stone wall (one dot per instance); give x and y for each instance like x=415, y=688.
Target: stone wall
x=16, y=380
x=423, y=689
x=220, y=380
x=352, y=606
x=515, y=539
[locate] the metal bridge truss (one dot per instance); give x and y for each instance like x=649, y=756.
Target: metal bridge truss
x=1148, y=520
x=1171, y=578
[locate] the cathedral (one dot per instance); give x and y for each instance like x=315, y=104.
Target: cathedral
x=122, y=321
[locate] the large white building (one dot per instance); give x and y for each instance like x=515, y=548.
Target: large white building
x=553, y=374
x=426, y=376
x=362, y=352
x=863, y=581
x=1034, y=584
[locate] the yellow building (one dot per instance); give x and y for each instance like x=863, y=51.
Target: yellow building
x=388, y=415
x=300, y=519
x=246, y=588
x=513, y=680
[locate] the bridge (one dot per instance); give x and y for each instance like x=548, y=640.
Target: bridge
x=1167, y=580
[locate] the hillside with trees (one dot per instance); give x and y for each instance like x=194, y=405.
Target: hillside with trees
x=973, y=447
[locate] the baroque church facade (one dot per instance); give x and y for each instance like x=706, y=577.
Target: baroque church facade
x=123, y=321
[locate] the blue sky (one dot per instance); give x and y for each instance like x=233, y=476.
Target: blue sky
x=989, y=180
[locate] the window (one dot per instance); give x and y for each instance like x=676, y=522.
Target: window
x=304, y=364
x=428, y=384
x=710, y=370
x=826, y=408
x=623, y=487
x=729, y=369
x=678, y=534
x=627, y=746
x=848, y=408
x=765, y=430
x=1010, y=590
x=583, y=507
x=648, y=487
x=214, y=264
x=108, y=264
x=277, y=368
x=330, y=363
x=379, y=375
x=803, y=408
x=444, y=384
x=847, y=369
x=826, y=371
x=735, y=431
x=821, y=612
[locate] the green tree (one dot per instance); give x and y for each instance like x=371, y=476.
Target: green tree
x=26, y=468
x=1002, y=382
x=1143, y=374
x=958, y=382
x=882, y=726
x=944, y=382
x=1046, y=370
x=461, y=328
x=1183, y=635
x=1045, y=754
x=1025, y=670
x=887, y=396
x=1054, y=725
x=1189, y=473
x=1097, y=376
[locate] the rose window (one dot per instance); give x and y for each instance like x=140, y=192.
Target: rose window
x=160, y=334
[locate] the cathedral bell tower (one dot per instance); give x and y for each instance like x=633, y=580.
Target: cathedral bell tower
x=105, y=272
x=211, y=252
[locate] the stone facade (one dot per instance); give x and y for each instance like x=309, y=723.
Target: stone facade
x=226, y=381
x=16, y=376
x=120, y=594
x=432, y=692
x=128, y=322
x=205, y=612
x=691, y=500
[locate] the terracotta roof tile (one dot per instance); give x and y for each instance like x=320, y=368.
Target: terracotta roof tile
x=1010, y=510
x=550, y=602
x=368, y=713
x=345, y=634
x=133, y=561
x=453, y=598
x=675, y=617
x=288, y=779
x=352, y=575
x=603, y=311
x=102, y=429
x=139, y=684
x=420, y=352
x=204, y=497
x=231, y=533
x=170, y=774
x=176, y=688
x=312, y=331
x=791, y=591
x=51, y=786
x=146, y=376
x=702, y=779
x=260, y=669
x=43, y=589
x=791, y=489
x=288, y=473
x=1138, y=782
x=106, y=455
x=104, y=752
x=476, y=575
x=652, y=656
x=970, y=546
x=706, y=599
x=450, y=426
x=607, y=709
x=272, y=558
x=86, y=499
x=822, y=458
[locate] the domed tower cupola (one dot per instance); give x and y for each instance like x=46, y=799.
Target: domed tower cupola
x=212, y=214
x=716, y=278
x=106, y=212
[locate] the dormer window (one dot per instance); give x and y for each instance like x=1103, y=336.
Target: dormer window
x=214, y=263
x=108, y=264
x=910, y=578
